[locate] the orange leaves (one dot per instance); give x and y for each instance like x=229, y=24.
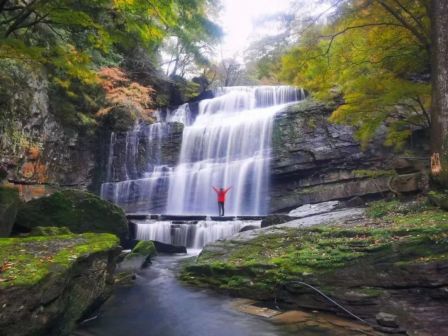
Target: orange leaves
x=121, y=91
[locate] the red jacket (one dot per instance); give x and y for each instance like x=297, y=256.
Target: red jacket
x=221, y=194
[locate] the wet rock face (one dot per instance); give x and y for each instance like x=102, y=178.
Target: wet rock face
x=9, y=204
x=315, y=161
x=37, y=149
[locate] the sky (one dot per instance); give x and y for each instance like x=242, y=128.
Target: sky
x=238, y=20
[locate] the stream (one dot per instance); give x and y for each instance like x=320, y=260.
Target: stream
x=157, y=304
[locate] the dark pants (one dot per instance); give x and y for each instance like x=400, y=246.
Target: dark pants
x=221, y=208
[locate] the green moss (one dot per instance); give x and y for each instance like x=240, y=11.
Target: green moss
x=26, y=261
x=373, y=173
x=262, y=263
x=144, y=248
x=381, y=208
x=79, y=211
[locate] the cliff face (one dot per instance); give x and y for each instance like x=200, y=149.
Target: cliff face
x=36, y=149
x=315, y=161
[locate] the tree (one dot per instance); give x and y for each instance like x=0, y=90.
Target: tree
x=439, y=109
x=375, y=55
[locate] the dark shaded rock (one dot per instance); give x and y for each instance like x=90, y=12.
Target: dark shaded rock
x=79, y=211
x=249, y=228
x=168, y=248
x=275, y=219
x=387, y=320
x=49, y=231
x=315, y=161
x=9, y=204
x=354, y=202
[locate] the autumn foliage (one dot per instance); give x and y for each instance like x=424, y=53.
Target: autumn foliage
x=124, y=93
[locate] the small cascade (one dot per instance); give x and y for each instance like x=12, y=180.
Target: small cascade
x=194, y=236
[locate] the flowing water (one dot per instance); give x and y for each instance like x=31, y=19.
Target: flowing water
x=226, y=144
x=158, y=305
x=193, y=236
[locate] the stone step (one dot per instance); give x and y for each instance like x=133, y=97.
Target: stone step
x=188, y=219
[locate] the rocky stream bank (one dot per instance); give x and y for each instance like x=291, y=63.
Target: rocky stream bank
x=389, y=268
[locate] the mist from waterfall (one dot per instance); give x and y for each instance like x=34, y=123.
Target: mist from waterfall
x=226, y=143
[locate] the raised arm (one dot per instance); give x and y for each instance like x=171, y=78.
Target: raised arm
x=216, y=190
x=227, y=189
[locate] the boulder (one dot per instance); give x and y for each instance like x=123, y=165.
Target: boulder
x=168, y=248
x=52, y=282
x=313, y=209
x=275, y=219
x=142, y=253
x=9, y=204
x=77, y=210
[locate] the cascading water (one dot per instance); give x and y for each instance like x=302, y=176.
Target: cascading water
x=224, y=142
x=228, y=145
x=195, y=235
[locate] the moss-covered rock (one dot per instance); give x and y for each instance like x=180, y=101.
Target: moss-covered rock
x=145, y=248
x=51, y=281
x=77, y=210
x=375, y=266
x=142, y=253
x=9, y=204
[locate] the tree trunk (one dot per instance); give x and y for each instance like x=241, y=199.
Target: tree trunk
x=439, y=110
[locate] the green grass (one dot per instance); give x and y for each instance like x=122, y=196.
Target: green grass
x=26, y=261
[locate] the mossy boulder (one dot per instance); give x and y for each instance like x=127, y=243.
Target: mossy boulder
x=142, y=253
x=52, y=281
x=145, y=248
x=77, y=210
x=9, y=204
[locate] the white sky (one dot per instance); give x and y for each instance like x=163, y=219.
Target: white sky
x=238, y=21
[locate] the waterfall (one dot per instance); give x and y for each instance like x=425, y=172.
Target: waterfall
x=137, y=180
x=228, y=145
x=225, y=142
x=194, y=236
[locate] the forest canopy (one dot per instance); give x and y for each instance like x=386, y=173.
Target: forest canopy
x=72, y=41
x=374, y=54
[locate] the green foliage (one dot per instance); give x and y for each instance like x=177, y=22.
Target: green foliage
x=376, y=59
x=71, y=40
